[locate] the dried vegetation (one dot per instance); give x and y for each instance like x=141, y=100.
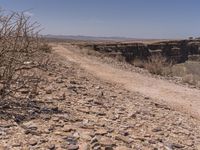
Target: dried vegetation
x=22, y=54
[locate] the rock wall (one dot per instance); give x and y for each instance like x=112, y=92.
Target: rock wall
x=178, y=51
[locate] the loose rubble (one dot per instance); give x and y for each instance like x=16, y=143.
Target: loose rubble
x=74, y=110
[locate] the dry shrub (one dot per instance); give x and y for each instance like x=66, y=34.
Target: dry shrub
x=188, y=71
x=191, y=79
x=46, y=47
x=157, y=64
x=119, y=58
x=179, y=70
x=138, y=63
x=20, y=53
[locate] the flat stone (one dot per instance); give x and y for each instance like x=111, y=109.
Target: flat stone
x=122, y=148
x=101, y=132
x=198, y=147
x=60, y=133
x=94, y=140
x=84, y=146
x=30, y=125
x=124, y=139
x=157, y=129
x=33, y=142
x=175, y=145
x=104, y=141
x=59, y=80
x=76, y=135
x=108, y=148
x=85, y=136
x=68, y=128
x=48, y=91
x=51, y=146
x=16, y=145
x=97, y=148
x=94, y=145
x=73, y=147
x=70, y=140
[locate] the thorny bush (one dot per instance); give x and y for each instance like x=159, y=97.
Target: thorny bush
x=20, y=55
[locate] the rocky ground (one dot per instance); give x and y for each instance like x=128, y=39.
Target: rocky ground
x=75, y=110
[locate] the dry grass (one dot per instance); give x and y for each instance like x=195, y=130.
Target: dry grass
x=157, y=64
x=138, y=63
x=188, y=71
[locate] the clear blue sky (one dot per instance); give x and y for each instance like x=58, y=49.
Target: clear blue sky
x=127, y=18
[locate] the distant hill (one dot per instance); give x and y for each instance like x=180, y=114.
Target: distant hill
x=93, y=38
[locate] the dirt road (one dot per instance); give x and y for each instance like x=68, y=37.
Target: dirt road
x=177, y=97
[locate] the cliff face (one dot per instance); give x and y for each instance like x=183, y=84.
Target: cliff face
x=178, y=51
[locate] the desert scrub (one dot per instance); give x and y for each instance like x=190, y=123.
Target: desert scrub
x=45, y=47
x=188, y=71
x=137, y=62
x=20, y=54
x=157, y=64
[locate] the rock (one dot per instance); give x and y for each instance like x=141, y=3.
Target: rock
x=60, y=133
x=122, y=148
x=51, y=146
x=198, y=147
x=30, y=126
x=84, y=146
x=70, y=140
x=68, y=128
x=84, y=110
x=97, y=148
x=73, y=82
x=3, y=147
x=48, y=91
x=95, y=144
x=85, y=121
x=43, y=140
x=55, y=119
x=175, y=145
x=94, y=140
x=25, y=91
x=16, y=145
x=108, y=148
x=33, y=142
x=62, y=97
x=85, y=137
x=64, y=146
x=100, y=113
x=101, y=132
x=6, y=124
x=73, y=147
x=76, y=135
x=106, y=142
x=124, y=139
x=98, y=102
x=132, y=115
x=189, y=142
x=124, y=133
x=59, y=80
x=46, y=131
x=157, y=129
